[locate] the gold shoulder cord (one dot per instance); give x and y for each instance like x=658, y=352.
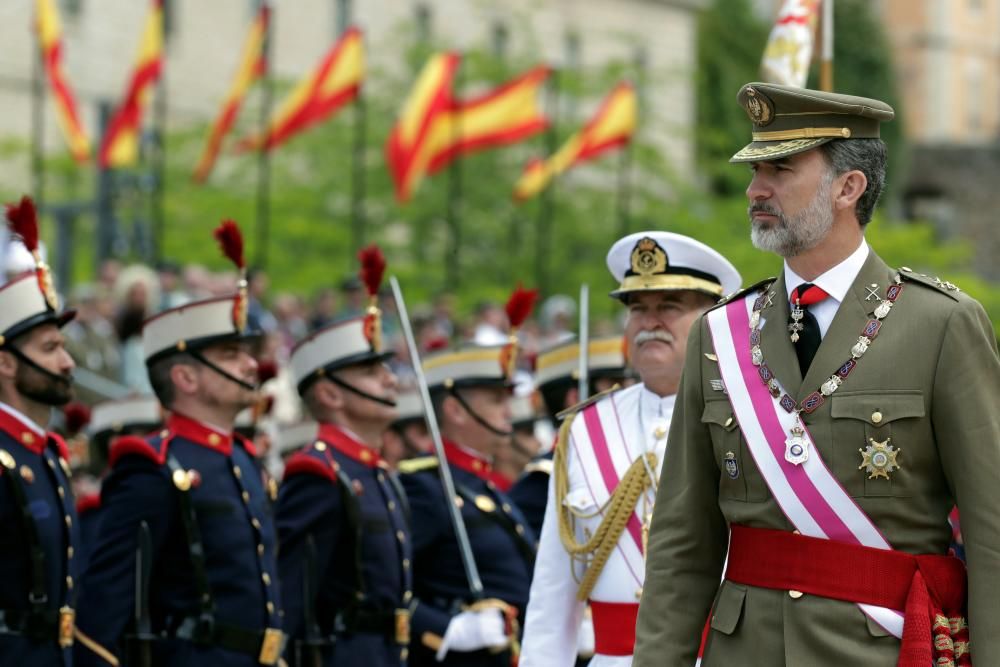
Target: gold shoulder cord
x=598, y=547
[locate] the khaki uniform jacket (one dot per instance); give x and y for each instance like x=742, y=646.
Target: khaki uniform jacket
x=934, y=375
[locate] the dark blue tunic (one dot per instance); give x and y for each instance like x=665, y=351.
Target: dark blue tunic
x=339, y=495
x=530, y=492
x=34, y=476
x=502, y=545
x=232, y=511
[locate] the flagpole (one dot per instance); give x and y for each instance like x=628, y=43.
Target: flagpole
x=452, y=260
x=37, y=123
x=263, y=213
x=157, y=213
x=547, y=200
x=826, y=63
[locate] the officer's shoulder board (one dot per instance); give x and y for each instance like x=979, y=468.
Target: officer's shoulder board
x=421, y=463
x=153, y=448
x=935, y=283
x=587, y=402
x=310, y=461
x=544, y=466
x=766, y=282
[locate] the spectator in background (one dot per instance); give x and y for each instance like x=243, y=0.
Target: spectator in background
x=290, y=319
x=354, y=297
x=137, y=290
x=197, y=281
x=490, y=327
x=558, y=319
x=324, y=308
x=259, y=318
x=444, y=314
x=91, y=340
x=171, y=293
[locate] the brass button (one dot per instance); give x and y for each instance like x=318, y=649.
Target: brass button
x=476, y=465
x=27, y=437
x=381, y=477
x=255, y=523
x=214, y=439
x=319, y=446
x=164, y=433
x=391, y=505
x=406, y=563
x=69, y=583
x=69, y=522
x=266, y=578
x=260, y=549
x=795, y=595
x=506, y=507
x=407, y=596
x=69, y=552
x=270, y=607
x=238, y=472
x=729, y=422
x=519, y=529
x=404, y=654
x=660, y=432
x=638, y=594
x=401, y=536
x=62, y=494
x=876, y=417
x=246, y=497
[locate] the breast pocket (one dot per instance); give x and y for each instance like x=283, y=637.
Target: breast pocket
x=738, y=478
x=880, y=439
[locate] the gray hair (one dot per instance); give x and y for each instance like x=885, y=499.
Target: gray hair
x=869, y=156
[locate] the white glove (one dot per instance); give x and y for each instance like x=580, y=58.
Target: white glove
x=585, y=637
x=474, y=630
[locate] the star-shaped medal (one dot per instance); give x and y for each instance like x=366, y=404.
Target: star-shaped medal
x=879, y=458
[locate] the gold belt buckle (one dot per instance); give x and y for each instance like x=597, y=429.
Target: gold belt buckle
x=402, y=626
x=67, y=619
x=271, y=646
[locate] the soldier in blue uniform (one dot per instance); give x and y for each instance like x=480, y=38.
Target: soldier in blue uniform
x=183, y=570
x=556, y=379
x=39, y=532
x=341, y=515
x=471, y=393
x=136, y=415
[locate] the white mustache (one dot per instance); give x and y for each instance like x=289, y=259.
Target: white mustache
x=655, y=334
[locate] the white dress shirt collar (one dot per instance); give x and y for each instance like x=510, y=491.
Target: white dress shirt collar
x=837, y=281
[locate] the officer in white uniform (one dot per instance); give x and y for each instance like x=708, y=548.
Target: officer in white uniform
x=608, y=457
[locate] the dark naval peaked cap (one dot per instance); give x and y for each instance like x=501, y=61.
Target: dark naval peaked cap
x=789, y=120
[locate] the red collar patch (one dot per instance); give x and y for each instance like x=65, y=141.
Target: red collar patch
x=465, y=460
x=184, y=427
x=22, y=432
x=348, y=446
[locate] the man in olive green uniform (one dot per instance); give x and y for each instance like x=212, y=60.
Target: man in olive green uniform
x=827, y=423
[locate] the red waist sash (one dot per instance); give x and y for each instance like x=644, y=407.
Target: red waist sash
x=930, y=589
x=614, y=627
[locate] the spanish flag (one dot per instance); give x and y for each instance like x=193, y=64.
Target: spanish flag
x=406, y=151
x=510, y=113
x=121, y=141
x=50, y=41
x=790, y=45
x=611, y=127
x=252, y=66
x=334, y=83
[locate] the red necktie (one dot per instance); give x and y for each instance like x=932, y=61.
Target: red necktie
x=803, y=296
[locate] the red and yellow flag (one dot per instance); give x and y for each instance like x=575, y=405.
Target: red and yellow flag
x=406, y=149
x=334, y=83
x=612, y=126
x=510, y=113
x=50, y=41
x=252, y=66
x=121, y=141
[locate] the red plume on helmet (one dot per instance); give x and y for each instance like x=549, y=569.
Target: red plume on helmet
x=372, y=269
x=519, y=307
x=267, y=369
x=230, y=240
x=23, y=221
x=76, y=416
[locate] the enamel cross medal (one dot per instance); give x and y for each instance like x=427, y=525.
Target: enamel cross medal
x=795, y=326
x=796, y=446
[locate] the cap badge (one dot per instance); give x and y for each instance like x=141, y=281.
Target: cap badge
x=759, y=108
x=648, y=258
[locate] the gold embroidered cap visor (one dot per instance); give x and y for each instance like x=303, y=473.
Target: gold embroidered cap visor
x=664, y=261
x=789, y=120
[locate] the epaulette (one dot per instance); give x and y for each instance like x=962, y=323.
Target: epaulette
x=743, y=292
x=155, y=450
x=943, y=286
x=304, y=463
x=88, y=503
x=410, y=466
x=545, y=466
x=589, y=401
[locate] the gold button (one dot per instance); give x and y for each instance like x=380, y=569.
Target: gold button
x=381, y=477
x=404, y=654
x=459, y=503
x=391, y=505
x=876, y=417
x=69, y=583
x=214, y=439
x=266, y=578
x=366, y=455
x=638, y=594
x=69, y=552
x=320, y=446
x=238, y=472
x=51, y=464
x=260, y=549
x=27, y=437
x=246, y=497
x=164, y=433
x=407, y=596
x=401, y=536
x=270, y=607
x=476, y=465
x=406, y=563
x=255, y=523
x=795, y=595
x=62, y=494
x=729, y=422
x=69, y=522
x=519, y=529
x=506, y=507
x=660, y=432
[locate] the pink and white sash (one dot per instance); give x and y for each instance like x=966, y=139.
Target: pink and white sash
x=810, y=496
x=599, y=444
